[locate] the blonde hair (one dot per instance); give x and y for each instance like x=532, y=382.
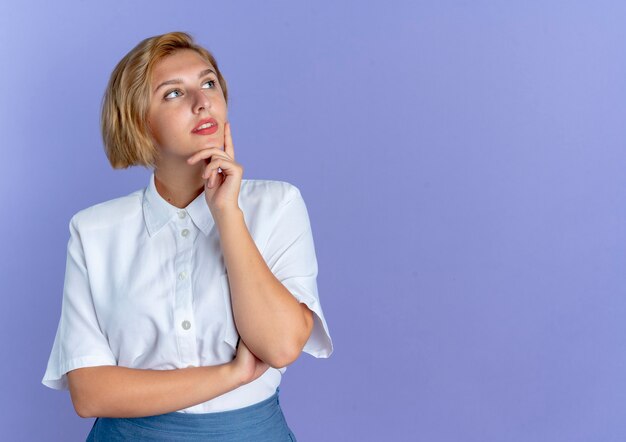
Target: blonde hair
x=125, y=132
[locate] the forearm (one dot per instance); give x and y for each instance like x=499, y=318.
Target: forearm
x=271, y=321
x=113, y=391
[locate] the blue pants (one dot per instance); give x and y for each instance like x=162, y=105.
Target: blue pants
x=261, y=422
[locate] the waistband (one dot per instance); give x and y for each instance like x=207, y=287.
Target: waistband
x=217, y=421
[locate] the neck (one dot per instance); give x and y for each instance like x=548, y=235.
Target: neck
x=178, y=182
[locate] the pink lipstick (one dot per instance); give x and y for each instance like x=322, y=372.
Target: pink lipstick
x=208, y=126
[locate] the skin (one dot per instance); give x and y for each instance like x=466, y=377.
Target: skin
x=272, y=324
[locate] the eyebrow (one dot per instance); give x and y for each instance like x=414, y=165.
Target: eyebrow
x=178, y=80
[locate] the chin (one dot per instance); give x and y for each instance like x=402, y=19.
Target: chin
x=209, y=144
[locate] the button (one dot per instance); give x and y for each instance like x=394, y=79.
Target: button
x=182, y=214
x=185, y=232
x=186, y=325
x=182, y=275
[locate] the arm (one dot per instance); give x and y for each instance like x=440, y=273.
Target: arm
x=113, y=391
x=271, y=321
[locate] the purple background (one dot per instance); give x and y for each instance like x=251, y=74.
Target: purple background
x=463, y=166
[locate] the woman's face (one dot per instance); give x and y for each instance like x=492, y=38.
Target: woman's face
x=191, y=95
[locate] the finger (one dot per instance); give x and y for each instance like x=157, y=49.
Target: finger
x=229, y=148
x=212, y=178
x=206, y=171
x=204, y=154
x=207, y=168
x=216, y=163
x=215, y=177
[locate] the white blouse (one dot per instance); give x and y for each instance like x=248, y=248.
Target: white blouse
x=146, y=285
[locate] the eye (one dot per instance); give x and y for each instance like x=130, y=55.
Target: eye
x=170, y=93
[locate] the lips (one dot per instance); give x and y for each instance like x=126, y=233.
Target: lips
x=210, y=124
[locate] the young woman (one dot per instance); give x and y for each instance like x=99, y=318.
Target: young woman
x=184, y=302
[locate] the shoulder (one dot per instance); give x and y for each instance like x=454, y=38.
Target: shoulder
x=267, y=192
x=264, y=202
x=108, y=213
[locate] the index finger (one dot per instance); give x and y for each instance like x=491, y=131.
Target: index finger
x=228, y=141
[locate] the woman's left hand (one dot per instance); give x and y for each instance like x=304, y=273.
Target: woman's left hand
x=221, y=189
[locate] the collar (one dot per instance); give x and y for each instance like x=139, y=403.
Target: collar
x=157, y=211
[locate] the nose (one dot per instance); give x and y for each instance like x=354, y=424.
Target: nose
x=201, y=101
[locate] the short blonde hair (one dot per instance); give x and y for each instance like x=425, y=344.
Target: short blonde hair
x=125, y=132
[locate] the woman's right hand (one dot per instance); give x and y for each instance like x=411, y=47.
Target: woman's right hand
x=247, y=366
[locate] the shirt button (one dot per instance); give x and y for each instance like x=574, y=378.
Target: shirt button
x=181, y=214
x=186, y=325
x=185, y=232
x=182, y=275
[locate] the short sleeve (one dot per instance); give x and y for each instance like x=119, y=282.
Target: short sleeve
x=79, y=341
x=290, y=255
